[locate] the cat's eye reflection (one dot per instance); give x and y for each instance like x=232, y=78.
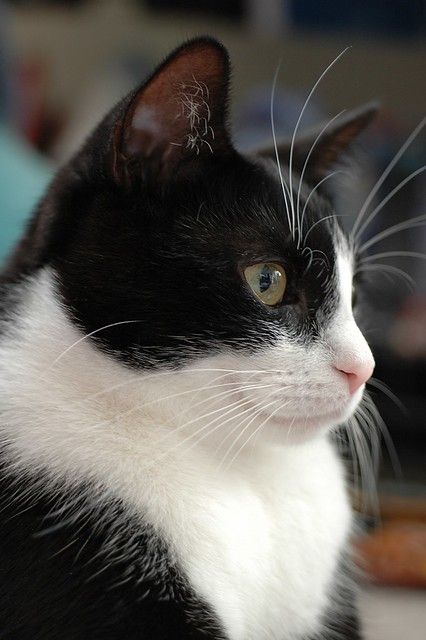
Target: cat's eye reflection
x=268, y=281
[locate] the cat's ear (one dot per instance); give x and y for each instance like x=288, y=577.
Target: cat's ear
x=177, y=117
x=324, y=144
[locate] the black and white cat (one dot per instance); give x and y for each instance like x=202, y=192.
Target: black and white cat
x=177, y=343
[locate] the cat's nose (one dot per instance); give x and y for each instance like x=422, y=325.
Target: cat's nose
x=356, y=371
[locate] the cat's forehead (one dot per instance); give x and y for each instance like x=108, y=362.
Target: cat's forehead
x=254, y=207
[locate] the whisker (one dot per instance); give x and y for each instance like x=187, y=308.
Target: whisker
x=353, y=455
x=247, y=384
x=302, y=175
x=290, y=429
x=284, y=186
x=333, y=215
x=262, y=424
x=221, y=411
x=205, y=429
x=142, y=378
x=390, y=447
x=393, y=254
x=385, y=389
x=368, y=492
x=385, y=200
x=208, y=433
x=383, y=177
x=89, y=335
x=390, y=269
x=412, y=223
x=317, y=186
x=229, y=392
x=296, y=128
x=251, y=420
x=141, y=406
x=369, y=463
x=364, y=420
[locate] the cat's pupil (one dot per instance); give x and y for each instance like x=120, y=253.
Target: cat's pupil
x=265, y=279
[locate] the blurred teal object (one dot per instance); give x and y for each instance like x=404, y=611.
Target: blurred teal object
x=23, y=177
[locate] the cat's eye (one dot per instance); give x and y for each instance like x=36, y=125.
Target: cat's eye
x=268, y=281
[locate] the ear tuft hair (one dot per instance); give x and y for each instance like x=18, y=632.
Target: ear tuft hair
x=177, y=116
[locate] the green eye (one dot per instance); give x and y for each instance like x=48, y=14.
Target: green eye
x=268, y=281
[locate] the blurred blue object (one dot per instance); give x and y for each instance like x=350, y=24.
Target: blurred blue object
x=23, y=178
x=395, y=17
x=5, y=66
x=23, y=173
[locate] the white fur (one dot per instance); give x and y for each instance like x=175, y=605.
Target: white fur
x=259, y=531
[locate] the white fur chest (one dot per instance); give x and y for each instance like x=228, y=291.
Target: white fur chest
x=261, y=543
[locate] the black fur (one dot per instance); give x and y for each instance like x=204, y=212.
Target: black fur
x=73, y=572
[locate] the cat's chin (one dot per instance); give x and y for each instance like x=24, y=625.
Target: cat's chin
x=299, y=429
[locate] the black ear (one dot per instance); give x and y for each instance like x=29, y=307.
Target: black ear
x=324, y=144
x=177, y=116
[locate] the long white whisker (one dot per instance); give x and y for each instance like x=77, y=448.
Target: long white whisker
x=210, y=385
x=333, y=215
x=302, y=175
x=317, y=186
x=385, y=389
x=284, y=186
x=206, y=427
x=142, y=378
x=262, y=424
x=393, y=254
x=251, y=419
x=296, y=128
x=247, y=384
x=390, y=269
x=353, y=455
x=364, y=420
x=385, y=200
x=412, y=223
x=393, y=455
x=138, y=407
x=89, y=335
x=384, y=175
x=240, y=388
x=367, y=476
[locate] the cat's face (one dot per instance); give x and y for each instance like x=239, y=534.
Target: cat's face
x=207, y=268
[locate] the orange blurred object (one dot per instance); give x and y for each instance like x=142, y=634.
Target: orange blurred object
x=395, y=554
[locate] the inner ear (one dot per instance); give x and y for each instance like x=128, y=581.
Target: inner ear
x=177, y=116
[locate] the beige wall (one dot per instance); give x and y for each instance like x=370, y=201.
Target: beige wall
x=75, y=43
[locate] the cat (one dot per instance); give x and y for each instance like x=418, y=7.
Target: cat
x=177, y=344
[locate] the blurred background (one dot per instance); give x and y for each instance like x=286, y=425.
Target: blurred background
x=63, y=64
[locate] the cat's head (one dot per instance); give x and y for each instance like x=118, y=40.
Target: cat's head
x=212, y=264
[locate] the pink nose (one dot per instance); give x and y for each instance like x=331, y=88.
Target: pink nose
x=357, y=373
